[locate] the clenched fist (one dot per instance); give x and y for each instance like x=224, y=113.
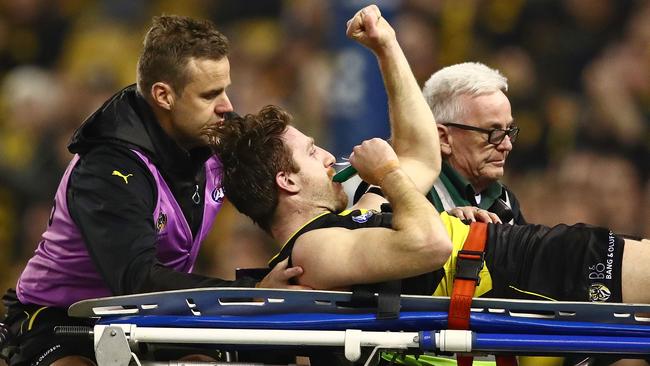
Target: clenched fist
x=371, y=30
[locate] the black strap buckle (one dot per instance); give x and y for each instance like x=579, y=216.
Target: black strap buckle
x=386, y=301
x=469, y=264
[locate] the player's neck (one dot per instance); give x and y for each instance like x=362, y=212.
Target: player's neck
x=289, y=218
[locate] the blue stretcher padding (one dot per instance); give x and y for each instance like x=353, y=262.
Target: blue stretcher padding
x=408, y=321
x=497, y=326
x=547, y=343
x=544, y=344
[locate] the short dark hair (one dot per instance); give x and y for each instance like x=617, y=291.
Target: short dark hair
x=170, y=43
x=253, y=151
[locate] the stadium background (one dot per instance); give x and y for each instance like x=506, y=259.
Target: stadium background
x=579, y=74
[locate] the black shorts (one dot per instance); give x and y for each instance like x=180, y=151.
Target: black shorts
x=34, y=341
x=564, y=263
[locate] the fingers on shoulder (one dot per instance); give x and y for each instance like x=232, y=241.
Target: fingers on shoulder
x=457, y=212
x=495, y=218
x=293, y=271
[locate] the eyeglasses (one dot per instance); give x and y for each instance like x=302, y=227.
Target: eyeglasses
x=495, y=135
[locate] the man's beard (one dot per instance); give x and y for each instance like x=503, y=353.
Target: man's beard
x=325, y=195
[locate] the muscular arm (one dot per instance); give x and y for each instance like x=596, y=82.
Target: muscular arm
x=116, y=222
x=414, y=135
x=417, y=242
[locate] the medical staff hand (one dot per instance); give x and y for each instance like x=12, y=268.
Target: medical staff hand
x=280, y=275
x=474, y=214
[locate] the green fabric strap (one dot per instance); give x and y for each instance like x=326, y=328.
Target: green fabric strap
x=454, y=192
x=457, y=187
x=435, y=199
x=426, y=360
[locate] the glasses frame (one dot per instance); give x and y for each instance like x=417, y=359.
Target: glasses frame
x=511, y=132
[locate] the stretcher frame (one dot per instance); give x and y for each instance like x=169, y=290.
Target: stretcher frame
x=232, y=317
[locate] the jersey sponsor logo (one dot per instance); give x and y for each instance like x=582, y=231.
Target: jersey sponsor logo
x=599, y=292
x=362, y=218
x=601, y=271
x=218, y=194
x=604, y=270
x=125, y=177
x=161, y=222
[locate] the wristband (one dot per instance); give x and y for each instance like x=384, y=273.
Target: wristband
x=385, y=169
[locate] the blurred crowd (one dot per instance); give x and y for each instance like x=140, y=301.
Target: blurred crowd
x=579, y=74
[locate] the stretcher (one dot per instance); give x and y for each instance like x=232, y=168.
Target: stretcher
x=232, y=318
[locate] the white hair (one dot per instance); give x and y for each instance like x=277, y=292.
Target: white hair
x=444, y=87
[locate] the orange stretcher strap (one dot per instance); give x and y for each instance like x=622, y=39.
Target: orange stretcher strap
x=469, y=263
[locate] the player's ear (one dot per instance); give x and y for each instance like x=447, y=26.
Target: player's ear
x=286, y=181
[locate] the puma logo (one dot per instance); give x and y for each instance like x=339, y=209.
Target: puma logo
x=125, y=177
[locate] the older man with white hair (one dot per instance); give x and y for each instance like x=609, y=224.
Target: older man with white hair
x=477, y=133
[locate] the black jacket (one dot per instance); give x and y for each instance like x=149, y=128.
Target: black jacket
x=116, y=220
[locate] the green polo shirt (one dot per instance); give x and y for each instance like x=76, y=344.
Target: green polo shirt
x=461, y=191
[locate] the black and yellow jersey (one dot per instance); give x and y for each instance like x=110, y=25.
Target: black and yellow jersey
x=436, y=283
x=566, y=262
x=348, y=219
